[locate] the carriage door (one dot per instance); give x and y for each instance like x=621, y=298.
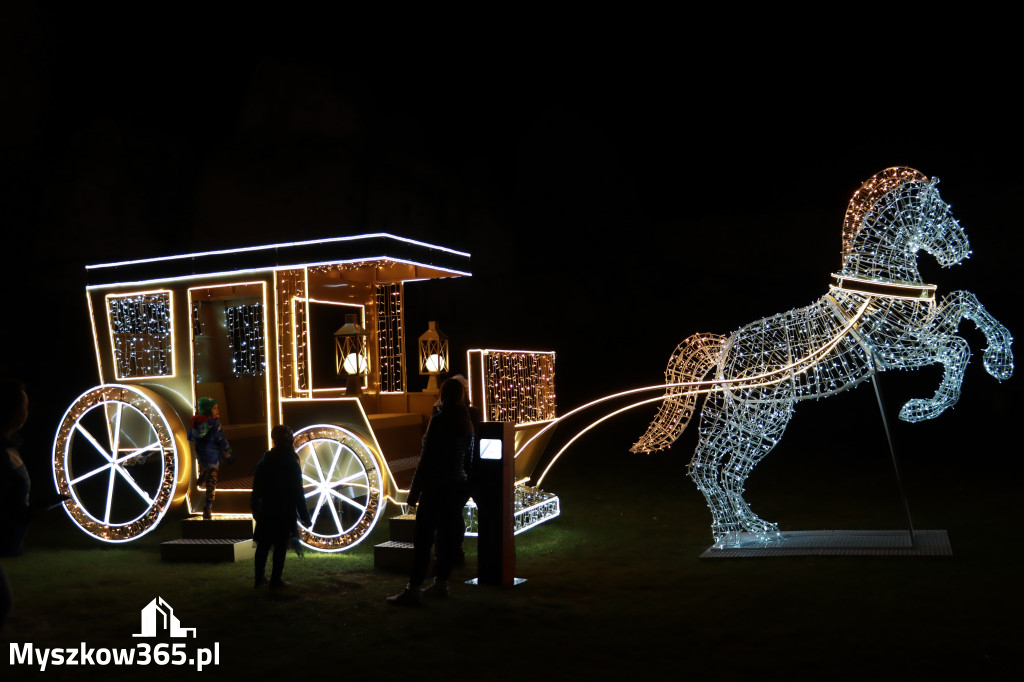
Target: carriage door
x=229, y=364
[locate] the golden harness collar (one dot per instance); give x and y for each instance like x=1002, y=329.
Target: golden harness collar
x=910, y=292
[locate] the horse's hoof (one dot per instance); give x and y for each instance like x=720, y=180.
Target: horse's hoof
x=919, y=409
x=999, y=363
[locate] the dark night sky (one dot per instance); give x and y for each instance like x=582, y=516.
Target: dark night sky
x=634, y=180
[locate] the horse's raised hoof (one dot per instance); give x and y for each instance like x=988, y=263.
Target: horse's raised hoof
x=919, y=409
x=999, y=362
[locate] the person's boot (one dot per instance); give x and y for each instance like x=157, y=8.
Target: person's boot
x=207, y=513
x=410, y=596
x=436, y=590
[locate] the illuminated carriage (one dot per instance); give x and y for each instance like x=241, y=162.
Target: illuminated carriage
x=310, y=334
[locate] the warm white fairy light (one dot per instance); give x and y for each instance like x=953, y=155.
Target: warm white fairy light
x=342, y=484
x=120, y=435
x=122, y=451
x=519, y=385
x=390, y=338
x=880, y=315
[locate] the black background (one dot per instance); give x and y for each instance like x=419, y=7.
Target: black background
x=621, y=181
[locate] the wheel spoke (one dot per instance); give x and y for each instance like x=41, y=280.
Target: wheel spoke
x=349, y=500
x=115, y=439
x=110, y=496
x=337, y=521
x=81, y=478
x=135, y=453
x=89, y=437
x=334, y=462
x=347, y=479
x=316, y=462
x=131, y=481
x=316, y=511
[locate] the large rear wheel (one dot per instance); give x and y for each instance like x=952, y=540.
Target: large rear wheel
x=116, y=455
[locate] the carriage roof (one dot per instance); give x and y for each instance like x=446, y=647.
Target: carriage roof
x=399, y=259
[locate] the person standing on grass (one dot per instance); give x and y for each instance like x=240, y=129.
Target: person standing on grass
x=277, y=500
x=440, y=487
x=211, y=446
x=15, y=486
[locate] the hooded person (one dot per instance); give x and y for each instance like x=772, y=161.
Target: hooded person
x=211, y=446
x=278, y=500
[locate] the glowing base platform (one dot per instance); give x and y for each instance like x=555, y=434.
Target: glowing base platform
x=831, y=543
x=532, y=507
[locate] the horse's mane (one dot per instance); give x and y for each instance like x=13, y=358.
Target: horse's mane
x=873, y=189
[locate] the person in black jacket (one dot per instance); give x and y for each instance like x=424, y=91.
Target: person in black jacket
x=16, y=508
x=277, y=500
x=440, y=487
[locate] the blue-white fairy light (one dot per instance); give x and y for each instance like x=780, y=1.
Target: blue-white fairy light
x=878, y=314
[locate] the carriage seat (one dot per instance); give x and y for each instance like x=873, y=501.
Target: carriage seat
x=215, y=390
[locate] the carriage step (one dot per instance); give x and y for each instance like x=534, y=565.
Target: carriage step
x=208, y=550
x=195, y=528
x=402, y=528
x=393, y=556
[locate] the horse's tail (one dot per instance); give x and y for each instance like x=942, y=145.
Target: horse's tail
x=691, y=361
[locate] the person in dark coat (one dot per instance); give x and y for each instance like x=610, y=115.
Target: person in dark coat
x=277, y=501
x=16, y=508
x=440, y=487
x=211, y=446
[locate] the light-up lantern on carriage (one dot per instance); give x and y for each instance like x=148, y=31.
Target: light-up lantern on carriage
x=350, y=354
x=433, y=354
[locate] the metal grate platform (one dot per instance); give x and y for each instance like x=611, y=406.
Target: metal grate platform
x=832, y=543
x=208, y=549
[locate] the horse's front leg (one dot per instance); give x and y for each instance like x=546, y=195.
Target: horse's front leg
x=998, y=354
x=954, y=353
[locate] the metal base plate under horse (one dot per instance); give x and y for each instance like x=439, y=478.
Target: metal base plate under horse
x=831, y=543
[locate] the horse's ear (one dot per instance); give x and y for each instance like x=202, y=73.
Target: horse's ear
x=873, y=189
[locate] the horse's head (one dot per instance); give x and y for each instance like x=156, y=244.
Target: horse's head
x=893, y=215
x=934, y=229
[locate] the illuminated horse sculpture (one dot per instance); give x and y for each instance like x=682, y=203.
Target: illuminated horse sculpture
x=878, y=315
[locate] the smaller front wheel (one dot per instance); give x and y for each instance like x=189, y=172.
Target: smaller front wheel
x=342, y=484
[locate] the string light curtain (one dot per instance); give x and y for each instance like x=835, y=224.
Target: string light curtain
x=390, y=341
x=519, y=386
x=245, y=333
x=140, y=327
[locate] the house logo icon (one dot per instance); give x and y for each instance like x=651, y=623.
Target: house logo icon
x=158, y=620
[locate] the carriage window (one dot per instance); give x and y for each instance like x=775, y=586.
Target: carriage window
x=245, y=328
x=140, y=330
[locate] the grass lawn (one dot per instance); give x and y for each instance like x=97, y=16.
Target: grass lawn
x=614, y=587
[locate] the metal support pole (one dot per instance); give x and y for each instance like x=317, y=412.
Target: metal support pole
x=892, y=451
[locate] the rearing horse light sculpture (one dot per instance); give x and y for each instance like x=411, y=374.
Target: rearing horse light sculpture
x=878, y=315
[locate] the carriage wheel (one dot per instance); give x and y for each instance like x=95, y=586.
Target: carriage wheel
x=116, y=457
x=342, y=484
